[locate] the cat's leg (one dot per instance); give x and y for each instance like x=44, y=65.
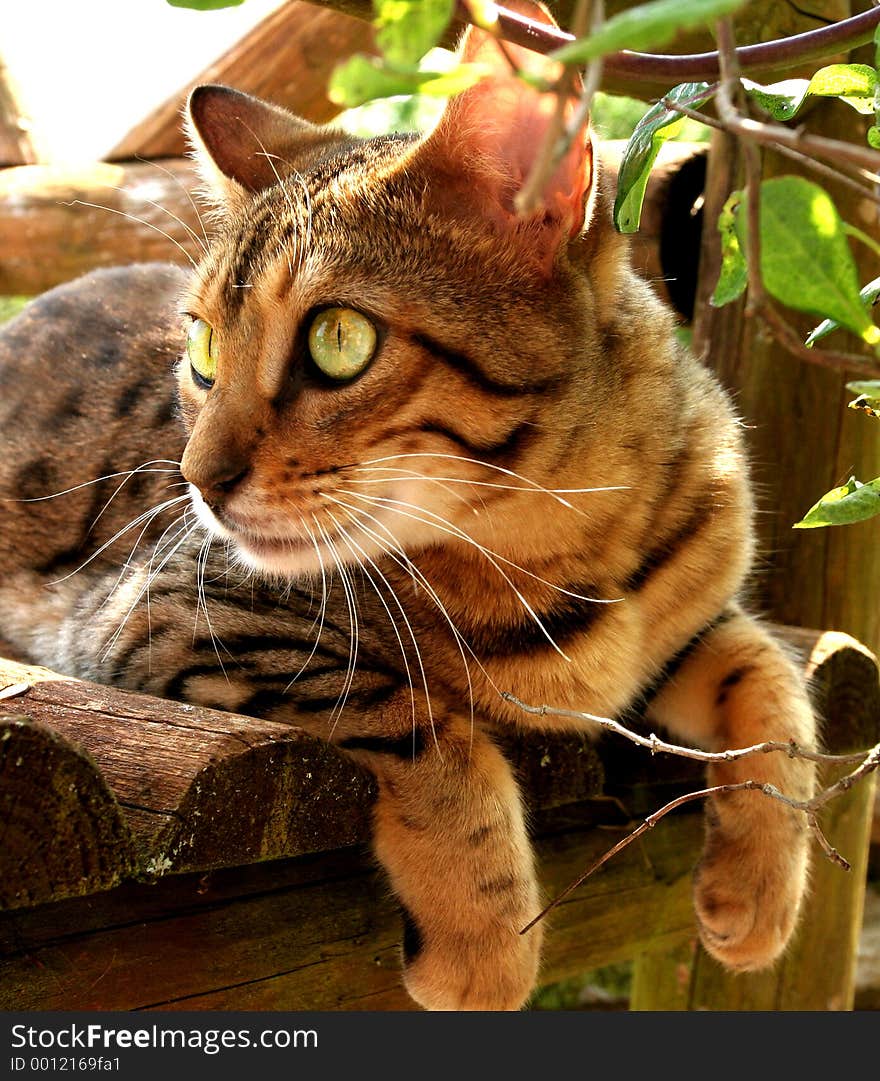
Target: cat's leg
x=738, y=688
x=449, y=830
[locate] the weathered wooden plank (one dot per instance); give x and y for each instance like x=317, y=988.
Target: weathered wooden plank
x=56, y=222
x=195, y=788
x=332, y=942
x=59, y=820
x=16, y=144
x=287, y=58
x=199, y=789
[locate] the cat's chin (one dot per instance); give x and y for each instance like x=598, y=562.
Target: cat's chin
x=278, y=557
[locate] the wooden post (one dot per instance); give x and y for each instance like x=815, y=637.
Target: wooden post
x=803, y=442
x=16, y=144
x=802, y=438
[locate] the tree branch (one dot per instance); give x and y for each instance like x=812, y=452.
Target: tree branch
x=649, y=69
x=809, y=807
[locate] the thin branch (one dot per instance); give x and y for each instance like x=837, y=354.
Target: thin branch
x=786, y=335
x=810, y=807
x=767, y=57
x=655, y=745
x=649, y=69
x=558, y=139
x=805, y=160
x=467, y=14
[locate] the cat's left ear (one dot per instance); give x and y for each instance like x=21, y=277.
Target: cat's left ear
x=243, y=145
x=490, y=136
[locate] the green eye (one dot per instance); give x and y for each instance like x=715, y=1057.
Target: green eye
x=202, y=353
x=342, y=342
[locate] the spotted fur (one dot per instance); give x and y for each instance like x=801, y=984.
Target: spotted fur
x=533, y=488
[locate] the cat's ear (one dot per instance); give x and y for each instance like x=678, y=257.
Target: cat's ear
x=243, y=145
x=489, y=137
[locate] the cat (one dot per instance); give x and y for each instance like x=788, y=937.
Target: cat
x=430, y=451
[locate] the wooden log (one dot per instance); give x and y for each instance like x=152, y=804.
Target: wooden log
x=287, y=58
x=59, y=822
x=58, y=223
x=192, y=788
x=16, y=144
x=319, y=932
x=198, y=789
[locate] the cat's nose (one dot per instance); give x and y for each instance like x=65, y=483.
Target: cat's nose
x=216, y=476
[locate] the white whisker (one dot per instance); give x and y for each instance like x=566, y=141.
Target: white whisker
x=394, y=504
x=140, y=221
x=354, y=630
x=349, y=542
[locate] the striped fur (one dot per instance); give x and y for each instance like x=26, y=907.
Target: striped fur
x=532, y=488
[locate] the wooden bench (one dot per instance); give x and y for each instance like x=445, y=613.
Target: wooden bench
x=155, y=855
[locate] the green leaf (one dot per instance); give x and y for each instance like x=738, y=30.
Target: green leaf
x=853, y=502
x=853, y=83
x=644, y=27
x=364, y=78
x=805, y=258
x=204, y=5
x=844, y=81
x=734, y=273
x=657, y=125
x=780, y=100
x=865, y=386
x=407, y=29
x=874, y=138
x=868, y=295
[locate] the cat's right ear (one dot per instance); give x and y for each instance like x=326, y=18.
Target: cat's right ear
x=243, y=145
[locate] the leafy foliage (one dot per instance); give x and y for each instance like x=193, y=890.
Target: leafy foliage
x=852, y=502
x=646, y=26
x=854, y=84
x=657, y=125
x=205, y=5
x=405, y=31
x=868, y=295
x=805, y=257
x=734, y=275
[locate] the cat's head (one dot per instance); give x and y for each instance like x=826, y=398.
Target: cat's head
x=374, y=325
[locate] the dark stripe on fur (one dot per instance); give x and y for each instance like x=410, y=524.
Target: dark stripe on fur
x=659, y=556
x=476, y=376
x=563, y=621
x=669, y=670
x=408, y=747
x=507, y=447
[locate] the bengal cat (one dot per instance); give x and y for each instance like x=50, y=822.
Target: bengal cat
x=432, y=451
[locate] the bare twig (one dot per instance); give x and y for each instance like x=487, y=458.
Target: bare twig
x=786, y=335
x=468, y=15
x=835, y=175
x=655, y=745
x=558, y=139
x=810, y=807
x=649, y=69
x=770, y=56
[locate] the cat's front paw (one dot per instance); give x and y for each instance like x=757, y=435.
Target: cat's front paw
x=473, y=974
x=747, y=895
